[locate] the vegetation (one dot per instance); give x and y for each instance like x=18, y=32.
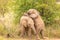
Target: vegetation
x=12, y=10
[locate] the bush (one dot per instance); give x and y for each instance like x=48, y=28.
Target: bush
x=45, y=7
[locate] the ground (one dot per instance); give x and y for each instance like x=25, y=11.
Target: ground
x=3, y=38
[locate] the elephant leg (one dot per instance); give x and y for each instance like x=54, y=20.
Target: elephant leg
x=29, y=33
x=22, y=31
x=35, y=32
x=42, y=33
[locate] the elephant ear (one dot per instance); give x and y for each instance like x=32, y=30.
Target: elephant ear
x=33, y=16
x=33, y=13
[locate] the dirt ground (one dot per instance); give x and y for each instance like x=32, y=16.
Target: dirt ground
x=3, y=38
x=28, y=39
x=34, y=39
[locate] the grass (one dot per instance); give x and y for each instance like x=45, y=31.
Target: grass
x=53, y=31
x=4, y=38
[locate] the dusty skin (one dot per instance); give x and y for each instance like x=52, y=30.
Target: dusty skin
x=39, y=23
x=26, y=22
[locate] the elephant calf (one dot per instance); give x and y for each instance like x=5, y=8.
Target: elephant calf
x=25, y=22
x=39, y=24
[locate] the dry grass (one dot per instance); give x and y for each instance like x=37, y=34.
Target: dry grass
x=3, y=38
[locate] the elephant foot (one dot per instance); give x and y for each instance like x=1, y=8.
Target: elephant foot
x=38, y=38
x=44, y=38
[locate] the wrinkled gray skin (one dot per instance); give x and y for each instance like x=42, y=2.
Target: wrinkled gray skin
x=39, y=24
x=25, y=22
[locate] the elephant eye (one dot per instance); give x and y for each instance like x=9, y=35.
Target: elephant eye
x=29, y=14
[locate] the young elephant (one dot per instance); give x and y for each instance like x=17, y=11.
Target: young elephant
x=39, y=24
x=25, y=22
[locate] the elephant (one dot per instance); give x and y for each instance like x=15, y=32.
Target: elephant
x=27, y=22
x=38, y=22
